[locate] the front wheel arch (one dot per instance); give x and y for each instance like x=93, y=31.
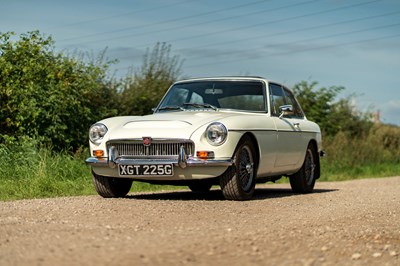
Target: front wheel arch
x=110, y=187
x=255, y=146
x=238, y=181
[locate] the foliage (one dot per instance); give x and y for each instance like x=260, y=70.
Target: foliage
x=30, y=172
x=48, y=96
x=331, y=115
x=355, y=146
x=144, y=90
x=374, y=154
x=379, y=146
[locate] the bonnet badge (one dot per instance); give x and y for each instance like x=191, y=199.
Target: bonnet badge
x=146, y=141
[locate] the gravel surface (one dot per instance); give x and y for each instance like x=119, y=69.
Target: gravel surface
x=342, y=223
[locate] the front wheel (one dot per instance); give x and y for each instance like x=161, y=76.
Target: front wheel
x=109, y=187
x=238, y=181
x=304, y=180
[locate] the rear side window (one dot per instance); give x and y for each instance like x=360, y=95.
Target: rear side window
x=298, y=113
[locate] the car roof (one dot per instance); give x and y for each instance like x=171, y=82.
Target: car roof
x=227, y=78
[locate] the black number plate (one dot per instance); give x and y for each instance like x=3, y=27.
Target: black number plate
x=146, y=170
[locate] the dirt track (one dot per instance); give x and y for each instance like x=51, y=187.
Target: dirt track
x=342, y=223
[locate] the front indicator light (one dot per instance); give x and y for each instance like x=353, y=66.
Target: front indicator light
x=205, y=154
x=98, y=153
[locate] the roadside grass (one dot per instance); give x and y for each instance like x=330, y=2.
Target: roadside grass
x=331, y=172
x=44, y=174
x=29, y=172
x=26, y=172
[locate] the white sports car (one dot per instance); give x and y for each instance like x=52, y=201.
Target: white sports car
x=231, y=131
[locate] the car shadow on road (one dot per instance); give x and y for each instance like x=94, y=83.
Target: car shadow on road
x=216, y=194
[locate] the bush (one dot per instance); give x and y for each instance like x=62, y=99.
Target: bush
x=376, y=153
x=144, y=90
x=47, y=96
x=331, y=114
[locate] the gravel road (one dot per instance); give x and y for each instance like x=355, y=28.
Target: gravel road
x=342, y=223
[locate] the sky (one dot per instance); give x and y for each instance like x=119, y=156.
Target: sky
x=350, y=43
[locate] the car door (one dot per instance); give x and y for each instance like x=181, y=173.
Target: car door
x=288, y=127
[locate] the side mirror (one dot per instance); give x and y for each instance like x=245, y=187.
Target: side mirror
x=285, y=110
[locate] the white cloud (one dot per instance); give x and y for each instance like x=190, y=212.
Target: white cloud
x=394, y=105
x=391, y=112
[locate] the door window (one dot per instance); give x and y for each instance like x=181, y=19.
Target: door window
x=277, y=98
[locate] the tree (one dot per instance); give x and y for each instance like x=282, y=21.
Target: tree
x=332, y=115
x=144, y=90
x=47, y=96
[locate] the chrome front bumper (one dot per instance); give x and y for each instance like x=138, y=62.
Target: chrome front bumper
x=182, y=160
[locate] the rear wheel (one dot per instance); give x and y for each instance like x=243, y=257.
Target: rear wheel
x=109, y=187
x=304, y=180
x=238, y=181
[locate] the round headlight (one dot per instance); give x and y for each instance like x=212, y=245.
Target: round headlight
x=216, y=133
x=97, y=132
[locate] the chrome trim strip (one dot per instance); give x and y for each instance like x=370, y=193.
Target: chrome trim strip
x=103, y=162
x=182, y=158
x=112, y=156
x=95, y=161
x=212, y=162
x=127, y=161
x=154, y=140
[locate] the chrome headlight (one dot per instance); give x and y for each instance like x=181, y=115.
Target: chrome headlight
x=97, y=132
x=216, y=133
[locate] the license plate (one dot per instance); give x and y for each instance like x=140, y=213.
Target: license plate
x=146, y=170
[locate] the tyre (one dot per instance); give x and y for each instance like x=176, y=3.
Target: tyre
x=304, y=180
x=109, y=187
x=238, y=181
x=200, y=186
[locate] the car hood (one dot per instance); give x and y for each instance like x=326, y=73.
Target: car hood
x=179, y=125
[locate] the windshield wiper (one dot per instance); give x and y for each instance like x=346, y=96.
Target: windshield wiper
x=201, y=105
x=171, y=107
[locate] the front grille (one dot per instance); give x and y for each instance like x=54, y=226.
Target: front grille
x=156, y=149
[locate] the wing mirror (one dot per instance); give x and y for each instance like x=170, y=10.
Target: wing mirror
x=285, y=110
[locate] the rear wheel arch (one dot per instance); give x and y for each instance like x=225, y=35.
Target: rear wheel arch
x=314, y=144
x=303, y=180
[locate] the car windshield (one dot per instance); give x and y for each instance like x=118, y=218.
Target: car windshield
x=214, y=95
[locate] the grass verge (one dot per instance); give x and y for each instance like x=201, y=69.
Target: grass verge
x=27, y=172
x=333, y=172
